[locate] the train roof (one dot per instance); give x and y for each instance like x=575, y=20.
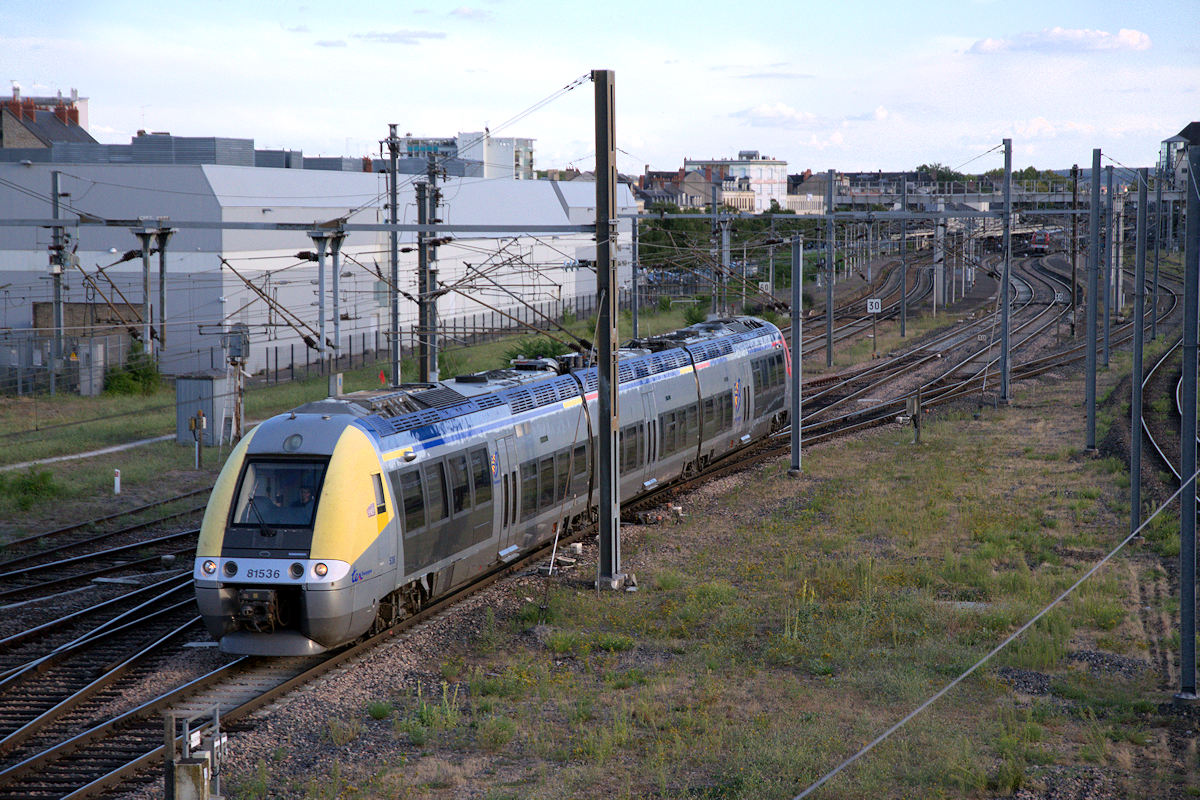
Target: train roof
x=533, y=383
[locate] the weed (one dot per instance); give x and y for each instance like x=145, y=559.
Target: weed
x=343, y=731
x=496, y=732
x=30, y=487
x=379, y=709
x=439, y=715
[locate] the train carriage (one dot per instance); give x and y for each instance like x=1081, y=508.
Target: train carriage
x=349, y=512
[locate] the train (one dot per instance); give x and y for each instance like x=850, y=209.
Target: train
x=344, y=515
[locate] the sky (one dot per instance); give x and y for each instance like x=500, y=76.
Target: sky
x=838, y=84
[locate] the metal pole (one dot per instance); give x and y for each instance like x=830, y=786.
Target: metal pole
x=335, y=251
x=797, y=348
x=716, y=293
x=1006, y=277
x=1108, y=229
x=162, y=236
x=634, y=225
x=1139, y=326
x=320, y=239
x=393, y=144
x=606, y=285
x=422, y=286
x=56, y=269
x=145, y=235
x=1074, y=243
x=939, y=257
x=432, y=195
x=1157, y=238
x=725, y=268
x=904, y=257
x=1187, y=439
x=829, y=269
x=1092, y=299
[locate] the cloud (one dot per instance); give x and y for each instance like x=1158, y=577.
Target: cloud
x=399, y=37
x=471, y=13
x=331, y=43
x=774, y=75
x=878, y=115
x=296, y=28
x=774, y=115
x=1064, y=40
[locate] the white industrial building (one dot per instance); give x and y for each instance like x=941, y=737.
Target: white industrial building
x=205, y=295
x=763, y=177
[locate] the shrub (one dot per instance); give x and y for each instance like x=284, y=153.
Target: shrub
x=138, y=375
x=495, y=732
x=27, y=488
x=535, y=347
x=695, y=313
x=664, y=303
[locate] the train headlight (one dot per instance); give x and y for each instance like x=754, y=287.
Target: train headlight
x=209, y=567
x=297, y=570
x=230, y=568
x=321, y=570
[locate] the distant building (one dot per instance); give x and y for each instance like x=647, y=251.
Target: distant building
x=475, y=154
x=681, y=188
x=1172, y=156
x=766, y=177
x=38, y=123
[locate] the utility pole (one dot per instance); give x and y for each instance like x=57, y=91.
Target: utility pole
x=1108, y=227
x=321, y=238
x=161, y=236
x=829, y=269
x=797, y=348
x=422, y=285
x=145, y=234
x=716, y=290
x=1187, y=440
x=725, y=267
x=904, y=256
x=1157, y=238
x=608, y=411
x=939, y=257
x=634, y=225
x=1093, y=299
x=335, y=250
x=432, y=198
x=1139, y=327
x=1006, y=278
x=1074, y=242
x=56, y=270
x=393, y=143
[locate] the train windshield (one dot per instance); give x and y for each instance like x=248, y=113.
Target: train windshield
x=279, y=494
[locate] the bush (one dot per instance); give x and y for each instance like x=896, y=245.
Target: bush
x=695, y=313
x=535, y=347
x=27, y=488
x=664, y=303
x=139, y=374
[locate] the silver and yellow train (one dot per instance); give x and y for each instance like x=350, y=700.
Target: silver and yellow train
x=346, y=514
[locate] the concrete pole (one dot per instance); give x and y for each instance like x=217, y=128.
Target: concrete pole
x=146, y=235
x=608, y=416
x=1157, y=238
x=320, y=239
x=422, y=286
x=1093, y=291
x=1074, y=243
x=1006, y=277
x=716, y=279
x=634, y=223
x=56, y=270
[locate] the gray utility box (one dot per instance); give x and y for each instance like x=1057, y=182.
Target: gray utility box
x=210, y=392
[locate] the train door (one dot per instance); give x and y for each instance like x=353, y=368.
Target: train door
x=505, y=492
x=651, y=450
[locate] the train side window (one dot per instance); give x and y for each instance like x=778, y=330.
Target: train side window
x=414, y=504
x=581, y=467
x=546, y=482
x=666, y=433
x=504, y=508
x=529, y=493
x=460, y=488
x=380, y=497
x=563, y=472
x=482, y=476
x=435, y=488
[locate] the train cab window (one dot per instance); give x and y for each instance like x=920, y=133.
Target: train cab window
x=414, y=503
x=435, y=491
x=482, y=476
x=546, y=482
x=278, y=494
x=563, y=459
x=380, y=497
x=529, y=493
x=460, y=487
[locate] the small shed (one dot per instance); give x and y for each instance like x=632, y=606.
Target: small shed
x=210, y=392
